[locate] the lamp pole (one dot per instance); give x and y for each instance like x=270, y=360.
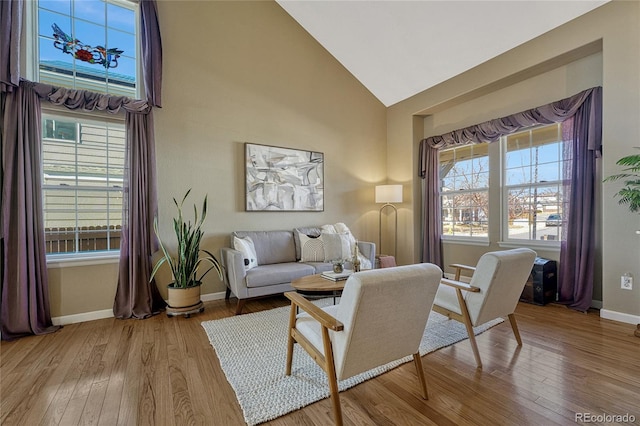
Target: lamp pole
x=395, y=245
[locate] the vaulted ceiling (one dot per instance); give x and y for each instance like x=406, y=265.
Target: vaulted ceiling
x=398, y=48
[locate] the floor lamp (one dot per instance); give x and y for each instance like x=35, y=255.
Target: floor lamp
x=388, y=194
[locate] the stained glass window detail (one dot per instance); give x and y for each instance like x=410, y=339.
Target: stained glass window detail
x=88, y=44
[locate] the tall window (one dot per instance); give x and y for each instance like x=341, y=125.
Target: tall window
x=465, y=191
x=83, y=169
x=533, y=193
x=89, y=45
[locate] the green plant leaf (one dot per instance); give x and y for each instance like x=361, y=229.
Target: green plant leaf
x=629, y=195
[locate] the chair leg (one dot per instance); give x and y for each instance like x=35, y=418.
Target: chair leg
x=330, y=368
x=514, y=327
x=292, y=323
x=467, y=324
x=423, y=383
x=227, y=294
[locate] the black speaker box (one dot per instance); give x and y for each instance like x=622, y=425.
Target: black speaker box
x=542, y=285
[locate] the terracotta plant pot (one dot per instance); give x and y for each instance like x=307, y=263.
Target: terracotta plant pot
x=183, y=297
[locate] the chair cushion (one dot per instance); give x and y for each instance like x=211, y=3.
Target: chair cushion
x=447, y=298
x=311, y=329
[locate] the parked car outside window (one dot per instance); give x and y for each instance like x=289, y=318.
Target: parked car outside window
x=554, y=220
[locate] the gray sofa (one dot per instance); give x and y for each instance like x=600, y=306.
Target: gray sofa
x=278, y=254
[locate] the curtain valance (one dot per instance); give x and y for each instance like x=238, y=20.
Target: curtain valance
x=88, y=101
x=493, y=130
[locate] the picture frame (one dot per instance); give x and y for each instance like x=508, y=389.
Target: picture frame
x=283, y=179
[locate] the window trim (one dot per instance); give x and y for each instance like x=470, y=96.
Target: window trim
x=64, y=260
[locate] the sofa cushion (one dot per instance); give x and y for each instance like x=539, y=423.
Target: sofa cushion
x=271, y=246
x=321, y=266
x=312, y=249
x=278, y=273
x=247, y=248
x=311, y=231
x=336, y=247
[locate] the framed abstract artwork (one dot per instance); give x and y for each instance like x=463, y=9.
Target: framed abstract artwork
x=283, y=179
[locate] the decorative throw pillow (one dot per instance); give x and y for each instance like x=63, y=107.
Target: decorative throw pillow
x=247, y=248
x=336, y=246
x=311, y=249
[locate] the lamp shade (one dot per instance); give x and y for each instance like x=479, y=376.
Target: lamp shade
x=388, y=193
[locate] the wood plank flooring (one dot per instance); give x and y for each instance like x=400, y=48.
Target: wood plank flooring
x=162, y=371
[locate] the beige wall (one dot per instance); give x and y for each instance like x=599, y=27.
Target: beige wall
x=602, y=47
x=237, y=72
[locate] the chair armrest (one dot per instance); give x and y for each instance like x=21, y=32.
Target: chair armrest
x=460, y=285
x=315, y=312
x=459, y=268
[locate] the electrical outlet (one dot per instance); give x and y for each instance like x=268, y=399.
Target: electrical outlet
x=626, y=281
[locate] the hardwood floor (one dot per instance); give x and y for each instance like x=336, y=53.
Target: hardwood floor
x=162, y=371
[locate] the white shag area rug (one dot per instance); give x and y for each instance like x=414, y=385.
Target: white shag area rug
x=252, y=350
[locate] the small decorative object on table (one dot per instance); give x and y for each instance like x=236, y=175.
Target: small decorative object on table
x=337, y=276
x=338, y=266
x=356, y=258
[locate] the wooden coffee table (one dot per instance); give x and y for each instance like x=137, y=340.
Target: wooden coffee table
x=315, y=286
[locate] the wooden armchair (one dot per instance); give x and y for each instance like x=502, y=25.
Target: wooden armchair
x=495, y=288
x=381, y=317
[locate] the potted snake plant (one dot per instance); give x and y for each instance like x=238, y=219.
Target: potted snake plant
x=184, y=291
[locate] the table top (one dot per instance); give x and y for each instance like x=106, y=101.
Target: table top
x=317, y=283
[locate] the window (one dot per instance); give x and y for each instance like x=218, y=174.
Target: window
x=533, y=192
x=530, y=182
x=83, y=169
x=464, y=172
x=90, y=45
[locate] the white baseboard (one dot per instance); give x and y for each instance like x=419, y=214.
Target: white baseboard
x=212, y=296
x=108, y=313
x=83, y=317
x=620, y=316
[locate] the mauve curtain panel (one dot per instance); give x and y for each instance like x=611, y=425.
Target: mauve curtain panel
x=136, y=297
x=151, y=52
x=10, y=31
x=577, y=250
x=577, y=253
x=25, y=290
x=431, y=208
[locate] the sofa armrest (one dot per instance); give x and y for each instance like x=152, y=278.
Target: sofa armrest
x=233, y=262
x=368, y=250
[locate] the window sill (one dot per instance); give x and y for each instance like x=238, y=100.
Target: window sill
x=466, y=241
x=550, y=246
x=88, y=259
